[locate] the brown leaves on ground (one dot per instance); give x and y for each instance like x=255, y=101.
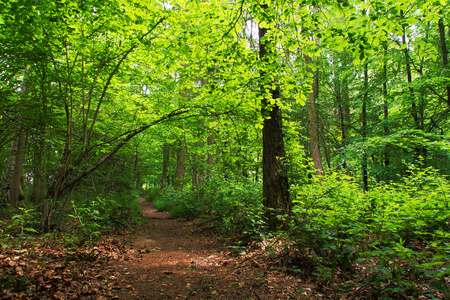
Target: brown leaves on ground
x=43, y=270
x=170, y=259
x=166, y=259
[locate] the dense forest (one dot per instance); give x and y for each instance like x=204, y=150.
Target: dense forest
x=317, y=125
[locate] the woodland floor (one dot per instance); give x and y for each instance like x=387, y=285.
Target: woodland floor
x=165, y=258
x=178, y=260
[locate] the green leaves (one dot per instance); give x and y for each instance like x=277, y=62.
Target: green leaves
x=393, y=228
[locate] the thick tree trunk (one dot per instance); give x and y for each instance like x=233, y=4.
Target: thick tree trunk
x=276, y=198
x=11, y=190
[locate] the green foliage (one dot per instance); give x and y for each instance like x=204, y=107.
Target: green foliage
x=22, y=221
x=232, y=207
x=400, y=230
x=104, y=213
x=152, y=194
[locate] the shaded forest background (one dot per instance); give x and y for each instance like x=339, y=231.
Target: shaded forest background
x=321, y=123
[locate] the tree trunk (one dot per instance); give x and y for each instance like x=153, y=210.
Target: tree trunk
x=197, y=168
x=385, y=105
x=409, y=79
x=11, y=190
x=137, y=169
x=9, y=174
x=276, y=198
x=444, y=54
x=16, y=190
x=180, y=170
x=39, y=172
x=343, y=101
x=365, y=177
x=166, y=158
x=313, y=124
x=210, y=157
x=419, y=151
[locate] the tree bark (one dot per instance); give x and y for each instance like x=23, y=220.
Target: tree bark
x=444, y=54
x=409, y=78
x=210, y=157
x=166, y=158
x=9, y=174
x=313, y=123
x=365, y=177
x=343, y=102
x=16, y=190
x=11, y=190
x=137, y=168
x=180, y=170
x=197, y=166
x=385, y=105
x=276, y=198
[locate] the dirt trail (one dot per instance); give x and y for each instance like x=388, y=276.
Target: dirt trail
x=179, y=261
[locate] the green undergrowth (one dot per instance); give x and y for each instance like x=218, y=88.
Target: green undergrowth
x=396, y=236
x=233, y=207
x=390, y=242
x=84, y=220
x=92, y=217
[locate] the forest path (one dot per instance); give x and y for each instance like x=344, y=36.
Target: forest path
x=180, y=261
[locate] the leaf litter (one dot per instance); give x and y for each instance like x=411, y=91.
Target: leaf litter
x=165, y=259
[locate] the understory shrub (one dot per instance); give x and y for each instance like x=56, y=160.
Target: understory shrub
x=152, y=194
x=400, y=230
x=19, y=221
x=105, y=213
x=234, y=207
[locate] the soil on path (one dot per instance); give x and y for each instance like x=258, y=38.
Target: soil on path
x=180, y=261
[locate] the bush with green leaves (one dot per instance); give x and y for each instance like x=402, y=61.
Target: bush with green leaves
x=233, y=207
x=152, y=194
x=105, y=213
x=21, y=220
x=399, y=229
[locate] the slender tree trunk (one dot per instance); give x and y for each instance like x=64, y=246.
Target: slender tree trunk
x=166, y=158
x=409, y=79
x=196, y=164
x=16, y=190
x=210, y=158
x=9, y=174
x=39, y=172
x=343, y=100
x=365, y=176
x=385, y=105
x=419, y=152
x=276, y=198
x=313, y=123
x=444, y=54
x=180, y=170
x=136, y=168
